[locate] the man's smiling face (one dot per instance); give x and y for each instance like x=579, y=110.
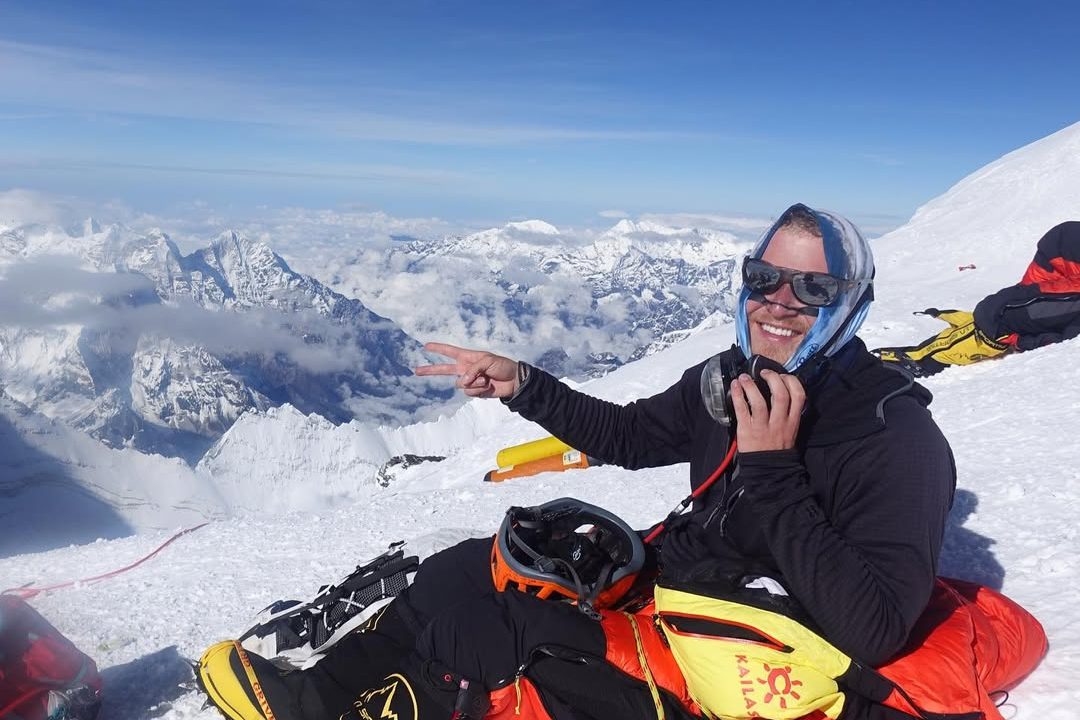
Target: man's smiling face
x=778, y=321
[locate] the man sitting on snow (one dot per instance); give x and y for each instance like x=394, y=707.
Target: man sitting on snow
x=840, y=491
x=843, y=485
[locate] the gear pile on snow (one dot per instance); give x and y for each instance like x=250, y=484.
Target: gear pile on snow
x=1043, y=308
x=962, y=343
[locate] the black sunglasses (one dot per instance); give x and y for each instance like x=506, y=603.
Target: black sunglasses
x=810, y=288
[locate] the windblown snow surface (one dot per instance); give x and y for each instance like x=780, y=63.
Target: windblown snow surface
x=1012, y=424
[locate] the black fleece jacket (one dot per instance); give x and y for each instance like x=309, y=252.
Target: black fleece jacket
x=851, y=520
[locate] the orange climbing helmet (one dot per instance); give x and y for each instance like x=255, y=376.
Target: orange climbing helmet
x=567, y=548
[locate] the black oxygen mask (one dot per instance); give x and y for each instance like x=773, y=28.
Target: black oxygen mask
x=721, y=371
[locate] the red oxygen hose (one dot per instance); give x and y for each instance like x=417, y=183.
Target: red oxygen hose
x=677, y=510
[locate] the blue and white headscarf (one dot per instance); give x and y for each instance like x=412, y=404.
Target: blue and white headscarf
x=848, y=256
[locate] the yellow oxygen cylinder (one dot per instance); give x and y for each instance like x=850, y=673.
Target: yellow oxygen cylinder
x=527, y=452
x=569, y=460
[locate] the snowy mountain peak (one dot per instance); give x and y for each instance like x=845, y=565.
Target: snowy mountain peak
x=537, y=227
x=247, y=271
x=698, y=246
x=627, y=226
x=623, y=227
x=233, y=242
x=531, y=238
x=154, y=254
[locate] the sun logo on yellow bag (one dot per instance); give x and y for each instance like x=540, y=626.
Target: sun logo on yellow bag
x=781, y=686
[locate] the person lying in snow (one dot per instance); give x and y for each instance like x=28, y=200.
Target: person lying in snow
x=1043, y=308
x=834, y=509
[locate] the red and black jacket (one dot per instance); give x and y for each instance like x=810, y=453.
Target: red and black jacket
x=1044, y=307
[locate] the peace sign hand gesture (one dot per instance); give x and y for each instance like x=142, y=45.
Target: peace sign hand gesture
x=479, y=373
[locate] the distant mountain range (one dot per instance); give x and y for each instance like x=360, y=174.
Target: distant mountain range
x=576, y=305
x=167, y=350
x=226, y=329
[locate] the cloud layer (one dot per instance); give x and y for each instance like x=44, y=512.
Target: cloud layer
x=50, y=292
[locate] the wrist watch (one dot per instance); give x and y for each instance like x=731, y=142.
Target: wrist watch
x=524, y=372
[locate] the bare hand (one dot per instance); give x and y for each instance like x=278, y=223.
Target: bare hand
x=479, y=373
x=761, y=427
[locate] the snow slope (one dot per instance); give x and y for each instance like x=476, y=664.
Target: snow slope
x=59, y=486
x=1011, y=423
x=991, y=219
x=319, y=465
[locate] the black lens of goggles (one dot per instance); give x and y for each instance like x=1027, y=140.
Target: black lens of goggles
x=811, y=288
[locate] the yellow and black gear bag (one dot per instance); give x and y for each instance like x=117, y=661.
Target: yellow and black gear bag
x=962, y=343
x=744, y=661
x=748, y=651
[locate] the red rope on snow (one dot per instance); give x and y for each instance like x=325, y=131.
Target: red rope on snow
x=28, y=592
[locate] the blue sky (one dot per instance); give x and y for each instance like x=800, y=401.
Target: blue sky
x=481, y=112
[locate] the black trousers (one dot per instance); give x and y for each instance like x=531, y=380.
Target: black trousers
x=451, y=625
